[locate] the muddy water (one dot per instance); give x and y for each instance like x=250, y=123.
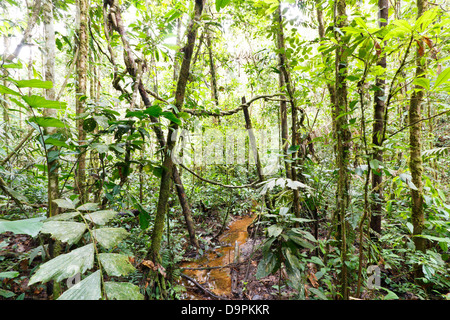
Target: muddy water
x=217, y=280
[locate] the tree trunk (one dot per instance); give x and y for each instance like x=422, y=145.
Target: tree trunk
x=415, y=163
x=254, y=148
x=168, y=166
x=131, y=66
x=81, y=69
x=284, y=68
x=378, y=127
x=53, y=191
x=343, y=140
x=55, y=247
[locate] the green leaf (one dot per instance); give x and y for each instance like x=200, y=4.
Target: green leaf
x=63, y=216
x=274, y=231
x=8, y=274
x=48, y=122
x=153, y=111
x=6, y=293
x=100, y=217
x=221, y=4
x=89, y=206
x=267, y=265
x=64, y=203
x=65, y=231
x=402, y=24
x=87, y=289
x=423, y=82
x=115, y=264
x=442, y=77
x=169, y=115
x=100, y=147
x=56, y=142
x=35, y=101
x=26, y=226
x=34, y=83
x=122, y=291
x=318, y=293
x=6, y=90
x=65, y=265
x=110, y=237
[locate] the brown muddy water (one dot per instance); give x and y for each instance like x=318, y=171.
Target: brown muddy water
x=216, y=280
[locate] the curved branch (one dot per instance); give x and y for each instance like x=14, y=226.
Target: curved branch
x=196, y=112
x=251, y=185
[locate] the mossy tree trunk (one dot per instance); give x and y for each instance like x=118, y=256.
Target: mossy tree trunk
x=81, y=87
x=415, y=141
x=378, y=127
x=343, y=141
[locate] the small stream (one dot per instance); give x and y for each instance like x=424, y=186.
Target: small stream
x=216, y=280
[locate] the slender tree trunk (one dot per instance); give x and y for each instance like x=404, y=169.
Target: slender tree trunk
x=343, y=140
x=284, y=125
x=415, y=163
x=117, y=24
x=53, y=191
x=81, y=87
x=255, y=153
x=55, y=247
x=212, y=68
x=168, y=166
x=378, y=126
x=284, y=68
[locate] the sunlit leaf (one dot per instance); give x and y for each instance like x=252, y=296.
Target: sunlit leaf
x=87, y=289
x=115, y=264
x=65, y=265
x=34, y=83
x=26, y=226
x=65, y=231
x=100, y=217
x=109, y=237
x=122, y=291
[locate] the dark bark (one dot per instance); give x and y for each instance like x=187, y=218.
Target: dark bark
x=285, y=71
x=81, y=67
x=343, y=141
x=378, y=128
x=415, y=162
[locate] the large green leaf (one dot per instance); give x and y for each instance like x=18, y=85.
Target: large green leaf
x=26, y=226
x=442, y=77
x=115, y=264
x=89, y=206
x=122, y=291
x=221, y=4
x=48, y=122
x=35, y=101
x=63, y=216
x=6, y=90
x=109, y=237
x=65, y=265
x=100, y=217
x=172, y=117
x=87, y=289
x=65, y=231
x=34, y=83
x=267, y=265
x=153, y=111
x=64, y=203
